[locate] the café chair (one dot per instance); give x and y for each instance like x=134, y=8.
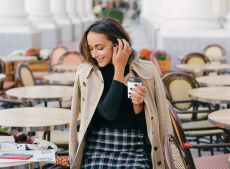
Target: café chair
x=53, y=60
x=25, y=78
x=71, y=57
x=214, y=50
x=198, y=59
x=5, y=85
x=177, y=85
x=177, y=158
x=179, y=134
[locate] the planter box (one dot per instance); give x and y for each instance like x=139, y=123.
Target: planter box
x=35, y=67
x=165, y=64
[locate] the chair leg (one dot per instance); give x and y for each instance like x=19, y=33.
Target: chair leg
x=217, y=140
x=211, y=148
x=198, y=142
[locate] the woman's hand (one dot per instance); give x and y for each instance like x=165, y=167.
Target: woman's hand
x=138, y=98
x=121, y=53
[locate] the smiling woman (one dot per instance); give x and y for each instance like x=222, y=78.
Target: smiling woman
x=115, y=128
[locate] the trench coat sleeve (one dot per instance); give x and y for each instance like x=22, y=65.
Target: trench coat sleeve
x=162, y=107
x=75, y=109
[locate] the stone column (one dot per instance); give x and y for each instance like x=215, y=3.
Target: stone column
x=82, y=13
x=58, y=9
x=71, y=9
x=191, y=14
x=41, y=16
x=227, y=14
x=16, y=31
x=89, y=10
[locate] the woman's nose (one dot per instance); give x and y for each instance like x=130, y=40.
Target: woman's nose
x=94, y=54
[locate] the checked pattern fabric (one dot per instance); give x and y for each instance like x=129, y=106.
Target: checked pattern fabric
x=115, y=149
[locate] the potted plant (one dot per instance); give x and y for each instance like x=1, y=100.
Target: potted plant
x=34, y=52
x=164, y=59
x=45, y=54
x=145, y=54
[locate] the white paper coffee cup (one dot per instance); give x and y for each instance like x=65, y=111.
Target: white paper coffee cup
x=131, y=84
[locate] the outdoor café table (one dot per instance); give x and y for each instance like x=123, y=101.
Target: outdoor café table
x=60, y=78
x=66, y=67
x=2, y=77
x=220, y=118
x=215, y=95
x=22, y=165
x=204, y=67
x=210, y=58
x=220, y=80
x=43, y=93
x=13, y=59
x=32, y=119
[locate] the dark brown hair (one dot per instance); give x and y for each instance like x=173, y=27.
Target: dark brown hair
x=111, y=28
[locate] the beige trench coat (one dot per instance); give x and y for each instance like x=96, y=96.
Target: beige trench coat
x=88, y=89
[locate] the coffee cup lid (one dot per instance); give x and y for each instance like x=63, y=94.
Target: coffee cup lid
x=134, y=79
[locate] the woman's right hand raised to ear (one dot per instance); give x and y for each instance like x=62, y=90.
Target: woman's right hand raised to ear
x=121, y=53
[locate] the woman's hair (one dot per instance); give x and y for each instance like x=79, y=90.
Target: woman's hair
x=111, y=28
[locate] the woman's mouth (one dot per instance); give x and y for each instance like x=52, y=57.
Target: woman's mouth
x=100, y=60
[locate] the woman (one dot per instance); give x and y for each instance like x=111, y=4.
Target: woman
x=115, y=130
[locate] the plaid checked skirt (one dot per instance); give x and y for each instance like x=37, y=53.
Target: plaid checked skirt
x=115, y=149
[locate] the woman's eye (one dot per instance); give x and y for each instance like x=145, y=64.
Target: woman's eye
x=90, y=49
x=100, y=49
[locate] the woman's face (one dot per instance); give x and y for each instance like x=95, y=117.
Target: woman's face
x=100, y=48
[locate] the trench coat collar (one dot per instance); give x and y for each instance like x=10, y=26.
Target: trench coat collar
x=133, y=57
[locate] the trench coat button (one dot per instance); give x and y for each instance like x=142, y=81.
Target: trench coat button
x=152, y=132
x=84, y=83
x=159, y=163
x=83, y=99
x=151, y=118
x=102, y=81
x=155, y=148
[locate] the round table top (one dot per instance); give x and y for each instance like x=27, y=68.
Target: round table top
x=211, y=94
x=211, y=58
x=35, y=118
x=2, y=77
x=66, y=67
x=18, y=58
x=220, y=118
x=41, y=93
x=220, y=80
x=21, y=164
x=60, y=78
x=204, y=67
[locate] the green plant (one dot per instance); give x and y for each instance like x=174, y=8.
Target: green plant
x=113, y=13
x=161, y=55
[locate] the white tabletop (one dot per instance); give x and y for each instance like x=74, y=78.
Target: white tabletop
x=204, y=67
x=66, y=67
x=211, y=58
x=220, y=118
x=21, y=165
x=60, y=78
x=220, y=80
x=2, y=77
x=211, y=94
x=35, y=118
x=17, y=58
x=41, y=93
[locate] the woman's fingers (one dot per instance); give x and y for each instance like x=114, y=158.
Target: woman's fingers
x=120, y=44
x=115, y=47
x=140, y=90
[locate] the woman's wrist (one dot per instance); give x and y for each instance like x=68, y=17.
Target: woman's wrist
x=119, y=74
x=138, y=108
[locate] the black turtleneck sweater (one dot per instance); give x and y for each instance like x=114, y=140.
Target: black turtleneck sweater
x=115, y=109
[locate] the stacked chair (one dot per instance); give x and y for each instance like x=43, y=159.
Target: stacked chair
x=178, y=155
